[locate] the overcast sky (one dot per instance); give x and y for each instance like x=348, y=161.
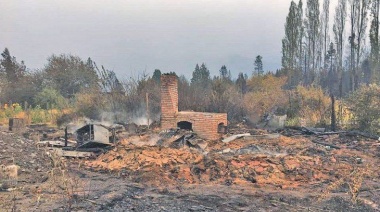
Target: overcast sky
x=132, y=36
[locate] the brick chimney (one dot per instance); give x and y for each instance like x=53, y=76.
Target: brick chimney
x=169, y=101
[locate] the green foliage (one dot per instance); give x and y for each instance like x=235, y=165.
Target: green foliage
x=310, y=104
x=84, y=103
x=365, y=105
x=259, y=65
x=17, y=109
x=201, y=76
x=16, y=84
x=225, y=74
x=50, y=98
x=14, y=70
x=38, y=115
x=69, y=74
x=292, y=122
x=292, y=42
x=157, y=76
x=10, y=112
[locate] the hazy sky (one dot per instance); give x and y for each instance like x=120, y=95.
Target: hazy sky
x=132, y=36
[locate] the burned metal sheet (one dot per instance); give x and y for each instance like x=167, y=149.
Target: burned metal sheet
x=93, y=135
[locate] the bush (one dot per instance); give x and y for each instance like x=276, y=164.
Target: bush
x=309, y=104
x=90, y=103
x=49, y=98
x=11, y=112
x=266, y=96
x=365, y=106
x=38, y=115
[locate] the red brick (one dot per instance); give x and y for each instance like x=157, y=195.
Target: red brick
x=204, y=124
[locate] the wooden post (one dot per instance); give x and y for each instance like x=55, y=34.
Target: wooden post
x=147, y=107
x=333, y=117
x=66, y=136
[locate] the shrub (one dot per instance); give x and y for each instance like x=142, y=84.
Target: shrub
x=89, y=103
x=11, y=112
x=49, y=98
x=38, y=115
x=310, y=104
x=365, y=106
x=266, y=95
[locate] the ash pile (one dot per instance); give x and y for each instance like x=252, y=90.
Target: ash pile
x=288, y=158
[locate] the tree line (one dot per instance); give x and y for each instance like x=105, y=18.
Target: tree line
x=315, y=65
x=339, y=61
x=69, y=81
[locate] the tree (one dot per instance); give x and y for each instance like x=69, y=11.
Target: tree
x=50, y=98
x=241, y=83
x=363, y=7
x=339, y=29
x=201, y=76
x=358, y=24
x=225, y=74
x=259, y=65
x=157, y=76
x=291, y=40
x=292, y=44
x=353, y=15
x=325, y=25
x=18, y=85
x=330, y=56
x=301, y=35
x=184, y=94
x=109, y=81
x=312, y=30
x=13, y=70
x=364, y=104
x=200, y=88
x=374, y=37
x=68, y=74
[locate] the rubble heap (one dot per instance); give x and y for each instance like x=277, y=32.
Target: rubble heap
x=280, y=161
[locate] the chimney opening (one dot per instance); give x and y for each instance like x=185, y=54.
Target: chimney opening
x=222, y=128
x=185, y=125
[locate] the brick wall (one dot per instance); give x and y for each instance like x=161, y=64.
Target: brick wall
x=204, y=124
x=169, y=101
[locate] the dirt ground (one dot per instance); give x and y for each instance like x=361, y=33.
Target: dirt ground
x=152, y=172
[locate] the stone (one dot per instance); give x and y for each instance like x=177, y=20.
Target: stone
x=11, y=171
x=259, y=170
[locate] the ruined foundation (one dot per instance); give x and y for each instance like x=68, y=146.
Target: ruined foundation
x=207, y=125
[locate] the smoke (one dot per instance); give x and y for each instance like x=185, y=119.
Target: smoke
x=142, y=120
x=138, y=117
x=109, y=117
x=137, y=141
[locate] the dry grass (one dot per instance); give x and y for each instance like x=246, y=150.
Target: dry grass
x=32, y=116
x=66, y=185
x=353, y=180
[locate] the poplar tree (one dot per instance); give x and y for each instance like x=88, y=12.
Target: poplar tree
x=339, y=29
x=358, y=23
x=374, y=39
x=312, y=30
x=325, y=26
x=292, y=43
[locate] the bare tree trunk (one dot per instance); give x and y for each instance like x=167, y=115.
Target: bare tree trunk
x=333, y=117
